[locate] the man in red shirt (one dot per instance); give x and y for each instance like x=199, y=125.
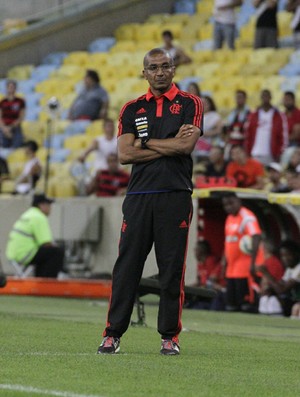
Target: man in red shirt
x=109, y=182
x=239, y=222
x=12, y=112
x=246, y=171
x=293, y=117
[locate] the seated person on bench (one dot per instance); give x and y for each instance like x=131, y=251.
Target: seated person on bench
x=30, y=240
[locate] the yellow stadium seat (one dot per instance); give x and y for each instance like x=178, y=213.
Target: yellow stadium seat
x=7, y=186
x=69, y=71
x=96, y=59
x=21, y=72
x=77, y=142
x=79, y=58
x=207, y=69
x=223, y=55
x=140, y=87
x=42, y=154
x=118, y=59
x=211, y=84
x=95, y=127
x=205, y=6
x=175, y=28
x=284, y=19
x=127, y=31
x=182, y=18
x=122, y=46
x=205, y=32
x=17, y=156
x=183, y=71
x=60, y=169
x=67, y=100
x=143, y=47
x=161, y=18
x=189, y=33
x=261, y=55
x=64, y=187
x=202, y=56
x=12, y=25
x=148, y=31
x=15, y=169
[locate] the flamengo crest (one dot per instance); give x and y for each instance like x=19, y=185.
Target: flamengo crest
x=175, y=108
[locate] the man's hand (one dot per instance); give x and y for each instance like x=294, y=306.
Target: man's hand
x=185, y=131
x=7, y=132
x=138, y=143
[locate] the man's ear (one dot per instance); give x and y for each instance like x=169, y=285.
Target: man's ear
x=145, y=75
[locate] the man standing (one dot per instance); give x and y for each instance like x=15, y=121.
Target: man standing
x=239, y=222
x=157, y=134
x=266, y=132
x=293, y=117
x=30, y=241
x=92, y=102
x=12, y=112
x=266, y=29
x=224, y=23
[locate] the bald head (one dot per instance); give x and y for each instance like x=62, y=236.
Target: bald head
x=155, y=52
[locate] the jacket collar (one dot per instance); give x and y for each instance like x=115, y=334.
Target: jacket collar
x=171, y=94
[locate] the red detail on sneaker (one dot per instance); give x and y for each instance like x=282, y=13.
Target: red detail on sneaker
x=124, y=226
x=142, y=110
x=183, y=225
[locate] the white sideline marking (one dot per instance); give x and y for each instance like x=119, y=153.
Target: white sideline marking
x=29, y=389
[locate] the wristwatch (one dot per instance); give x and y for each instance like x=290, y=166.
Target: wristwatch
x=144, y=141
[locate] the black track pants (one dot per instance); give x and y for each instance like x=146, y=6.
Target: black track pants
x=162, y=219
x=48, y=261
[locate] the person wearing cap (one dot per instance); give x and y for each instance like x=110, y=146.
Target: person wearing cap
x=12, y=113
x=30, y=240
x=275, y=181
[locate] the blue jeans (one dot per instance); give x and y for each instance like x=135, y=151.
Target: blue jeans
x=224, y=32
x=14, y=142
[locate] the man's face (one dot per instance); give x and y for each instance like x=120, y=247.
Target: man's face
x=88, y=82
x=288, y=102
x=159, y=71
x=215, y=154
x=231, y=205
x=265, y=97
x=109, y=129
x=11, y=89
x=287, y=258
x=240, y=99
x=45, y=208
x=237, y=154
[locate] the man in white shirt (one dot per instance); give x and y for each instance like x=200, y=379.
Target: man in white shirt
x=224, y=22
x=266, y=132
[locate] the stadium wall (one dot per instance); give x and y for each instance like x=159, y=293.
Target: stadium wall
x=97, y=220
x=75, y=31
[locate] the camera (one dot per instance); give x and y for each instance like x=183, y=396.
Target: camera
x=53, y=104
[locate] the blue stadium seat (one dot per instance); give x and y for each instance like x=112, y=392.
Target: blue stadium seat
x=76, y=127
x=59, y=155
x=203, y=45
x=185, y=7
x=57, y=141
x=32, y=113
x=290, y=69
x=103, y=44
x=42, y=72
x=32, y=99
x=54, y=58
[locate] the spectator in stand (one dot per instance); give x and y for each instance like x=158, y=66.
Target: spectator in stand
x=266, y=32
x=248, y=172
x=294, y=6
x=30, y=240
x=92, y=102
x=294, y=160
x=293, y=118
x=212, y=129
x=216, y=165
x=237, y=118
x=286, y=291
x=275, y=182
x=268, y=303
x=12, y=112
x=240, y=222
x=177, y=53
x=104, y=145
x=266, y=132
x=32, y=170
x=224, y=22
x=193, y=88
x=294, y=180
x=111, y=181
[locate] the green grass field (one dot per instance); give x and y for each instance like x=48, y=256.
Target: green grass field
x=48, y=349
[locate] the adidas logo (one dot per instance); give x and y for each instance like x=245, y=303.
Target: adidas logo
x=183, y=225
x=142, y=110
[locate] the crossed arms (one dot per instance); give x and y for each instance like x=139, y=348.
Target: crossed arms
x=130, y=151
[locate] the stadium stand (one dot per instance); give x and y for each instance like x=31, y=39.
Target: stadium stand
x=118, y=61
